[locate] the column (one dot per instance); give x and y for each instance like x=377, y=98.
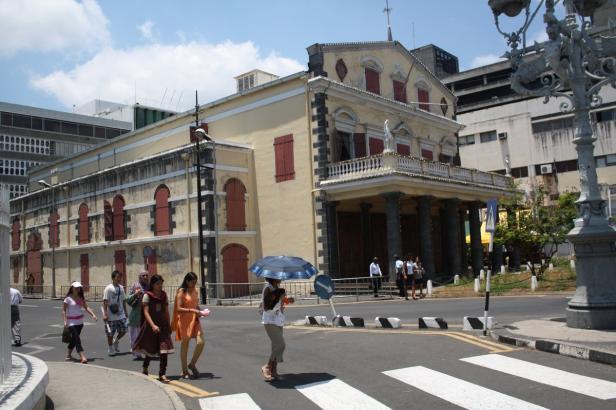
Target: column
x=424, y=214
x=463, y=246
x=452, y=212
x=366, y=233
x=394, y=235
x=445, y=250
x=475, y=228
x=331, y=258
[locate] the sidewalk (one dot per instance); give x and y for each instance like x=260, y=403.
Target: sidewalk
x=77, y=386
x=553, y=335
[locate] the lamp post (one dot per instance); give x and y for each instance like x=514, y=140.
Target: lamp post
x=52, y=238
x=574, y=63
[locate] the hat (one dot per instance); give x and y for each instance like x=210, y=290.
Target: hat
x=76, y=285
x=144, y=273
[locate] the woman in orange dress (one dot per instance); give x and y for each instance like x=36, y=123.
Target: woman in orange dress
x=186, y=314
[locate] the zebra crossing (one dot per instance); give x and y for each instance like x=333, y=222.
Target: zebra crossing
x=335, y=394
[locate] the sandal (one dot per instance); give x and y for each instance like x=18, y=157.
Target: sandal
x=163, y=379
x=194, y=371
x=186, y=375
x=266, y=373
x=84, y=361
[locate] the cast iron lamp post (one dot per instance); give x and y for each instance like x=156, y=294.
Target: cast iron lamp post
x=574, y=63
x=52, y=238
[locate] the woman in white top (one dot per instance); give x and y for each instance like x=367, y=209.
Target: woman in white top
x=72, y=313
x=273, y=302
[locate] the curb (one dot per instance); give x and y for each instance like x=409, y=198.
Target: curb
x=565, y=349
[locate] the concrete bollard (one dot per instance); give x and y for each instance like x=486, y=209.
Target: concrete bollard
x=528, y=265
x=533, y=283
x=482, y=274
x=456, y=279
x=503, y=269
x=572, y=264
x=551, y=267
x=429, y=287
x=477, y=285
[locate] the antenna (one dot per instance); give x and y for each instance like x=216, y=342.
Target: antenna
x=388, y=10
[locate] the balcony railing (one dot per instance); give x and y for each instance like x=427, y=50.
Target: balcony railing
x=384, y=164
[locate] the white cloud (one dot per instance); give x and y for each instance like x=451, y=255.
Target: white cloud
x=114, y=74
x=539, y=37
x=485, y=59
x=51, y=25
x=146, y=29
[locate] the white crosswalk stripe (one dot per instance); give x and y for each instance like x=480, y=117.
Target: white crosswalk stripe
x=241, y=401
x=337, y=395
x=457, y=391
x=589, y=386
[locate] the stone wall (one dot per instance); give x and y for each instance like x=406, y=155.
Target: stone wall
x=5, y=302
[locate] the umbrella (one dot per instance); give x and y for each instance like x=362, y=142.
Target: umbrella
x=283, y=268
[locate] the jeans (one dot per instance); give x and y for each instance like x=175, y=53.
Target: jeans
x=75, y=331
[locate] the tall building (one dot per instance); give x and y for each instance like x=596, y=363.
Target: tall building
x=31, y=136
x=138, y=115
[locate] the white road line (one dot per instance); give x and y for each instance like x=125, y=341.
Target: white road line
x=241, y=401
x=337, y=395
x=22, y=305
x=36, y=349
x=589, y=386
x=457, y=391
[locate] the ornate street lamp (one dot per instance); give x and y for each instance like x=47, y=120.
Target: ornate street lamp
x=575, y=63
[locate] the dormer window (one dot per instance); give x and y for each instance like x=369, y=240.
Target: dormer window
x=246, y=82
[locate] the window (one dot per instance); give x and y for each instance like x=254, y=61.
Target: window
x=372, y=81
x=162, y=218
x=245, y=83
x=84, y=261
x=466, y=140
x=52, y=125
x=149, y=260
x=487, y=136
x=108, y=221
x=427, y=153
x=423, y=96
x=54, y=229
x=403, y=149
x=376, y=146
x=84, y=225
x=69, y=128
x=236, y=214
x=283, y=149
x=607, y=115
x=16, y=235
x=446, y=159
x=520, y=172
x=399, y=91
x=359, y=140
x=119, y=219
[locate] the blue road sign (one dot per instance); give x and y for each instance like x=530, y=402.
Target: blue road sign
x=492, y=207
x=324, y=286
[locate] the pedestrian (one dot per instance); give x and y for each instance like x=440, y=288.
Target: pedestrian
x=16, y=299
x=72, y=313
x=134, y=299
x=186, y=314
x=409, y=265
x=376, y=275
x=273, y=302
x=114, y=313
x=30, y=284
x=400, y=277
x=154, y=338
x=419, y=277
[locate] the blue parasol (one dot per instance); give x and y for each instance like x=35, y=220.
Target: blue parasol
x=283, y=268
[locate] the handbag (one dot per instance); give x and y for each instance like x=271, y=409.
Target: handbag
x=66, y=335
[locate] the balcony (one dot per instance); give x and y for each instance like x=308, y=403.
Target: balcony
x=393, y=164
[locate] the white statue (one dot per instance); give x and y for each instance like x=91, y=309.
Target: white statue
x=390, y=142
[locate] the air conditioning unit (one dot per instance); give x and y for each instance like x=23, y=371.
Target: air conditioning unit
x=502, y=135
x=546, y=169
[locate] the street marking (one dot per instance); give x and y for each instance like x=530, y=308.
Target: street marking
x=589, y=386
x=33, y=306
x=457, y=391
x=36, y=348
x=241, y=401
x=186, y=389
x=488, y=344
x=337, y=395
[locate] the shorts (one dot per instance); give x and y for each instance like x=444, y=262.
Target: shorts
x=113, y=326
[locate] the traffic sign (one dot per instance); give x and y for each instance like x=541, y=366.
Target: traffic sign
x=323, y=286
x=492, y=207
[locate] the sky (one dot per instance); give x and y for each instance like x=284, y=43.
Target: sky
x=59, y=54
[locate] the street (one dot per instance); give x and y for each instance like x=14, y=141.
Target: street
x=364, y=368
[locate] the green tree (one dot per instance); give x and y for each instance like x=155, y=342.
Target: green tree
x=536, y=229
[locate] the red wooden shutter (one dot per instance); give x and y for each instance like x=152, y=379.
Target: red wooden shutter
x=424, y=99
x=108, y=214
x=403, y=149
x=360, y=144
x=236, y=218
x=162, y=217
x=85, y=270
x=376, y=146
x=399, y=91
x=427, y=154
x=283, y=149
x=372, y=81
x=235, y=269
x=16, y=235
x=120, y=264
x=54, y=230
x=84, y=226
x=118, y=218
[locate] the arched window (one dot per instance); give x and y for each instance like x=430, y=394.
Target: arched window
x=54, y=229
x=84, y=225
x=108, y=215
x=236, y=214
x=119, y=219
x=162, y=219
x=16, y=235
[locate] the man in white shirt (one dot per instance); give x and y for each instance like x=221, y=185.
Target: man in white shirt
x=16, y=299
x=114, y=312
x=375, y=274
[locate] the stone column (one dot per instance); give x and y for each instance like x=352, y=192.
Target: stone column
x=332, y=257
x=463, y=246
x=366, y=233
x=475, y=228
x=424, y=216
x=452, y=212
x=394, y=235
x=445, y=250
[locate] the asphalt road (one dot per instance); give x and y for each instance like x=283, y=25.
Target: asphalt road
x=395, y=369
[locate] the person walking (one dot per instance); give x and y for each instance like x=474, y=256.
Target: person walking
x=134, y=298
x=376, y=275
x=185, y=323
x=72, y=314
x=400, y=277
x=154, y=338
x=273, y=302
x=419, y=277
x=114, y=313
x=16, y=299
x=410, y=278
x=30, y=284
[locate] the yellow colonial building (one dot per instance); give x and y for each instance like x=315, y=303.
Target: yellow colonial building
x=301, y=165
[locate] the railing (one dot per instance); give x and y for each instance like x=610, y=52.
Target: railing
x=379, y=164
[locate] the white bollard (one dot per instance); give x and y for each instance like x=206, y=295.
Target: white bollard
x=551, y=267
x=528, y=265
x=482, y=274
x=429, y=287
x=477, y=285
x=572, y=264
x=503, y=269
x=533, y=283
x=456, y=279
